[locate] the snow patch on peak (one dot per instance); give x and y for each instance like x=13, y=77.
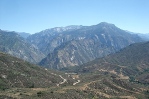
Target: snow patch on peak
x=81, y=38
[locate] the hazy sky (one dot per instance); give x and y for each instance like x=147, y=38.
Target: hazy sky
x=35, y=15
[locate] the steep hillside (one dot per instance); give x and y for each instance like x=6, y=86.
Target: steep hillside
x=15, y=72
x=129, y=63
x=14, y=44
x=22, y=80
x=87, y=44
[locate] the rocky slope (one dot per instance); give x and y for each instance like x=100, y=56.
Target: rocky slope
x=129, y=63
x=16, y=73
x=14, y=44
x=49, y=39
x=86, y=44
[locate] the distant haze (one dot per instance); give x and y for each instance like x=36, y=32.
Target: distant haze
x=33, y=16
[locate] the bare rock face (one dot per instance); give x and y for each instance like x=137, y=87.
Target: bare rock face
x=47, y=40
x=86, y=44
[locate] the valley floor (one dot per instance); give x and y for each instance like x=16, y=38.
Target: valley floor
x=86, y=88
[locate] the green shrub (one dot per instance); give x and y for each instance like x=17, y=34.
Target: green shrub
x=40, y=94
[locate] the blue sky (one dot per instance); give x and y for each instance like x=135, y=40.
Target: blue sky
x=35, y=15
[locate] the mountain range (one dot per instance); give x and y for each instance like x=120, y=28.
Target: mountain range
x=98, y=61
x=105, y=78
x=85, y=44
x=67, y=46
x=47, y=40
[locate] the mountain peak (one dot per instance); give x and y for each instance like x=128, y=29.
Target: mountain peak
x=105, y=24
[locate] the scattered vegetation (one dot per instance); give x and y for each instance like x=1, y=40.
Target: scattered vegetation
x=103, y=78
